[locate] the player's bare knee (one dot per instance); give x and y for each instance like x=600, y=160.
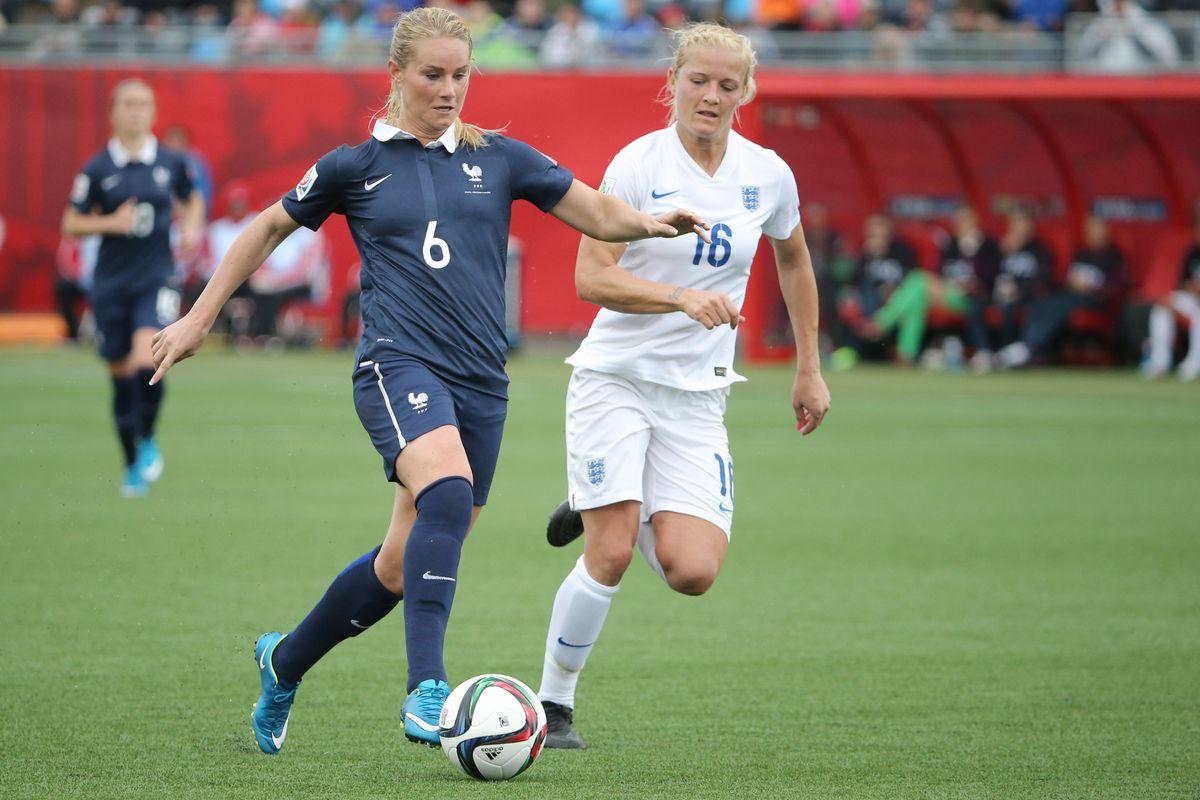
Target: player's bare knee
x=390, y=572
x=693, y=579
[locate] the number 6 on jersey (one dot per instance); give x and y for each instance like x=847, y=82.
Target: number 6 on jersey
x=432, y=243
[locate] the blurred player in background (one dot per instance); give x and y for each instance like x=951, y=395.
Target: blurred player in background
x=963, y=285
x=648, y=460
x=1026, y=272
x=428, y=200
x=127, y=194
x=1185, y=300
x=1096, y=279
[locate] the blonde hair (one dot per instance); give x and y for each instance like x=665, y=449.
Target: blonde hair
x=128, y=83
x=416, y=26
x=709, y=34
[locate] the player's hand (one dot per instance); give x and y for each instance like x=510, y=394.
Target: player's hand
x=680, y=222
x=710, y=309
x=122, y=219
x=174, y=343
x=810, y=401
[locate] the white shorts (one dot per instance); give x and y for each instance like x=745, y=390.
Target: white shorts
x=663, y=447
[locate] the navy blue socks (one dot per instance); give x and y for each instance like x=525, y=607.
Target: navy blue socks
x=431, y=573
x=355, y=601
x=151, y=397
x=127, y=414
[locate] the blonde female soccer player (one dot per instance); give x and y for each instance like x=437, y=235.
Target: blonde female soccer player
x=427, y=199
x=648, y=461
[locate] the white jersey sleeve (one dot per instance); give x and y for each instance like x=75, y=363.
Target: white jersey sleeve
x=624, y=179
x=786, y=215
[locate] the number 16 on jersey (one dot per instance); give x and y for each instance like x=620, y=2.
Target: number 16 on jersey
x=719, y=250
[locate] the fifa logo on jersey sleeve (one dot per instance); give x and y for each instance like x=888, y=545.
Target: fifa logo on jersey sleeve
x=306, y=182
x=750, y=197
x=474, y=173
x=595, y=471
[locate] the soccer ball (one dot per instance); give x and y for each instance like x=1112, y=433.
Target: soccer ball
x=492, y=727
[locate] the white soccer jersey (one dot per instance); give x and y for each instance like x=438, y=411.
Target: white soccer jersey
x=752, y=193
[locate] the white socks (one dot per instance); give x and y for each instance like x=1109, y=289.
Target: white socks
x=579, y=610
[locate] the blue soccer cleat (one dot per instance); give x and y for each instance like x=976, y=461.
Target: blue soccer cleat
x=274, y=706
x=422, y=710
x=134, y=484
x=149, y=460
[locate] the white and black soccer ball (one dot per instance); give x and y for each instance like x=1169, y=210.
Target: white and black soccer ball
x=492, y=727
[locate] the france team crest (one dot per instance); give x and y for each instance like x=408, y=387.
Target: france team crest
x=750, y=198
x=595, y=471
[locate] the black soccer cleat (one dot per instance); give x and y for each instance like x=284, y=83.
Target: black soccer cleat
x=565, y=525
x=560, y=733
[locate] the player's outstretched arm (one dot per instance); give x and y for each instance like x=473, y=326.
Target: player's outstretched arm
x=250, y=249
x=601, y=280
x=810, y=395
x=604, y=217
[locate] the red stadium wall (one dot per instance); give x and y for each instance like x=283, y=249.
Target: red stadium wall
x=856, y=143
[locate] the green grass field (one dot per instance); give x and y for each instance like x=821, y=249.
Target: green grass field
x=959, y=588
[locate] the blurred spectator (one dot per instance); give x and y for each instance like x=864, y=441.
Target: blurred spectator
x=1097, y=279
x=251, y=32
x=779, y=15
x=220, y=236
x=298, y=270
x=634, y=33
x=527, y=26
x=884, y=262
x=1026, y=269
x=495, y=43
x=336, y=30
x=572, y=40
x=208, y=34
x=832, y=268
x=963, y=285
x=1046, y=15
x=969, y=263
x=176, y=138
x=1185, y=300
x=882, y=265
x=1127, y=39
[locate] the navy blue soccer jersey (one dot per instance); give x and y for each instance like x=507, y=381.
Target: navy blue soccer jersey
x=155, y=176
x=431, y=227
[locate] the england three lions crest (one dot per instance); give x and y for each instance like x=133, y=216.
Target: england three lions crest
x=750, y=197
x=595, y=471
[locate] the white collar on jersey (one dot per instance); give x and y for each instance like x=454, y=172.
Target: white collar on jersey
x=385, y=133
x=120, y=155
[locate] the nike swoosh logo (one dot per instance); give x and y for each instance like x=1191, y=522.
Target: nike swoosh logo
x=110, y=182
x=359, y=625
x=563, y=641
x=369, y=185
x=278, y=740
x=262, y=660
x=422, y=724
x=724, y=509
x=429, y=576
x=658, y=196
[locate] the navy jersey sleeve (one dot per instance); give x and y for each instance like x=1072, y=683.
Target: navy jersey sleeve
x=185, y=179
x=534, y=177
x=85, y=192
x=319, y=193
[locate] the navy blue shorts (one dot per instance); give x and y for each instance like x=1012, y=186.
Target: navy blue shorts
x=118, y=316
x=400, y=400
